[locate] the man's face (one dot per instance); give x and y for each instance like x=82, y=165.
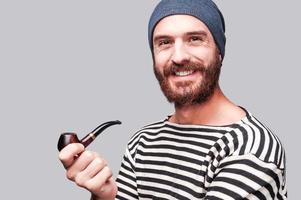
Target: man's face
x=186, y=60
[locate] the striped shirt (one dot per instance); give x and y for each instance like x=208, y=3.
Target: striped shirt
x=164, y=160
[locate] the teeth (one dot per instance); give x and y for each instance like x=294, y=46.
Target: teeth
x=184, y=73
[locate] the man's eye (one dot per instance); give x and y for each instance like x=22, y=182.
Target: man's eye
x=195, y=38
x=163, y=42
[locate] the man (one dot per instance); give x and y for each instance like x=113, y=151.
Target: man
x=209, y=148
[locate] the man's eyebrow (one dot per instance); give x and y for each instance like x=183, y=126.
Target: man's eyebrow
x=203, y=33
x=159, y=37
x=164, y=36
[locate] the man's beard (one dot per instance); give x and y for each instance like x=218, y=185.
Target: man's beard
x=190, y=94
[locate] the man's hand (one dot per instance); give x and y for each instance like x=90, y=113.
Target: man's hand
x=88, y=170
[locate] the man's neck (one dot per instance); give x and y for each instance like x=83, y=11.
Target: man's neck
x=216, y=111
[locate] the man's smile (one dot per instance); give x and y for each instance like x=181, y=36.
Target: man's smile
x=185, y=75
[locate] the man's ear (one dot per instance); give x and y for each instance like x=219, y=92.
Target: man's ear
x=221, y=60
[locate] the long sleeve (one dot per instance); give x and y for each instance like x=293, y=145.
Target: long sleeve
x=126, y=180
x=247, y=177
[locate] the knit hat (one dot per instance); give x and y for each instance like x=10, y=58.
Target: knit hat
x=205, y=10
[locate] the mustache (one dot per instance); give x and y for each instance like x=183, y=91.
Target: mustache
x=191, y=66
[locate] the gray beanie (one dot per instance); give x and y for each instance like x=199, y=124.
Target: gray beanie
x=204, y=10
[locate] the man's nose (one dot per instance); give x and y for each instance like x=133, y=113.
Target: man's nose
x=180, y=55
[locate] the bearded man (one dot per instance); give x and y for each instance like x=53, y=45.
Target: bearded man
x=209, y=148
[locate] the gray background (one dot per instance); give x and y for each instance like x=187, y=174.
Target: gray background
x=70, y=65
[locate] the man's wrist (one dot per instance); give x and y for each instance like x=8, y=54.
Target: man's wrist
x=93, y=197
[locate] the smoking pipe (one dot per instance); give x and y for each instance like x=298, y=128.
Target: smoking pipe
x=68, y=138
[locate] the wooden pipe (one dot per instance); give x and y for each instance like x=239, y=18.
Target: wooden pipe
x=68, y=138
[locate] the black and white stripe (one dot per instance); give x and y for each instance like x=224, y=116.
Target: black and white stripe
x=163, y=160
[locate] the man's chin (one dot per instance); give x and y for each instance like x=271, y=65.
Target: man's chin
x=181, y=96
x=186, y=96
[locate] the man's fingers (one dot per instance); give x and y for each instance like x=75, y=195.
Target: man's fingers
x=68, y=154
x=90, y=171
x=78, y=168
x=95, y=166
x=96, y=184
